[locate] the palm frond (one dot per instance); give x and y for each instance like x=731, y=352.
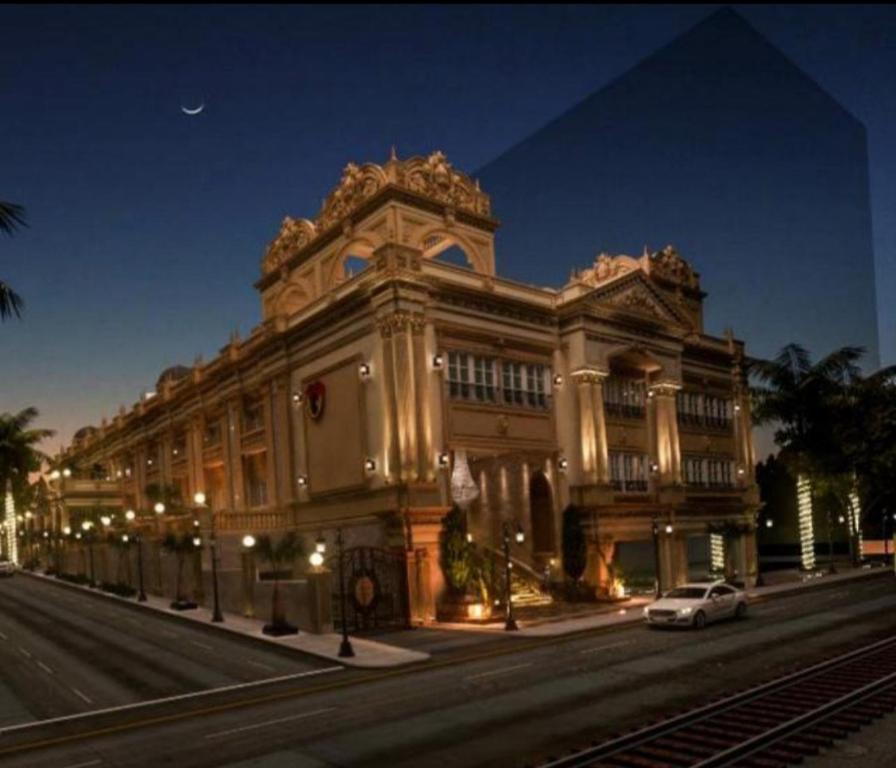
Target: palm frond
x=12, y=216
x=11, y=303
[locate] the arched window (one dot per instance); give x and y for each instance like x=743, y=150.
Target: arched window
x=454, y=255
x=541, y=510
x=353, y=265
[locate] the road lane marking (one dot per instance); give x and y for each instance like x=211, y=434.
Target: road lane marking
x=502, y=671
x=3, y=637
x=82, y=696
x=202, y=645
x=84, y=765
x=260, y=665
x=606, y=647
x=25, y=653
x=45, y=668
x=269, y=722
x=164, y=700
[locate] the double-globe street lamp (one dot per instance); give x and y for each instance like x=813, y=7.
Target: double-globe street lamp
x=130, y=516
x=199, y=501
x=88, y=534
x=656, y=554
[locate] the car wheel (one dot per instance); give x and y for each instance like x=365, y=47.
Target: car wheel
x=741, y=611
x=699, y=620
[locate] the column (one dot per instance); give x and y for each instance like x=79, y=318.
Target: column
x=282, y=440
x=665, y=442
x=425, y=450
x=592, y=427
x=392, y=459
x=270, y=443
x=195, y=463
x=233, y=458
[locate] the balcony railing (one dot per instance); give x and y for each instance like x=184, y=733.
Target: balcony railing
x=629, y=486
x=624, y=410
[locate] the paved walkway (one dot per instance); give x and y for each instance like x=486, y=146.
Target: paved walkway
x=368, y=653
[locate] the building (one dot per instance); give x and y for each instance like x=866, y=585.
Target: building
x=719, y=143
x=381, y=371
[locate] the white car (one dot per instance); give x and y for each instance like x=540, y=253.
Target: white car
x=7, y=568
x=696, y=605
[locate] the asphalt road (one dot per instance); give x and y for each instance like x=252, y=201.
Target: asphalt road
x=63, y=652
x=502, y=704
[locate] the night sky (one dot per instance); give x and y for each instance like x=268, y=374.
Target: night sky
x=147, y=226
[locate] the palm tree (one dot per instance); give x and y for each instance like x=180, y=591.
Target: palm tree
x=804, y=400
x=180, y=546
x=279, y=555
x=19, y=455
x=12, y=216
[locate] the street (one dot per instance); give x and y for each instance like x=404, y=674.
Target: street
x=489, y=701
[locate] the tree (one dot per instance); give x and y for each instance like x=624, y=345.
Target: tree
x=804, y=400
x=12, y=216
x=575, y=548
x=280, y=554
x=19, y=455
x=180, y=546
x=455, y=552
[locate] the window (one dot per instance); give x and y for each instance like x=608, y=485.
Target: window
x=471, y=377
x=253, y=416
x=524, y=384
x=212, y=434
x=624, y=397
x=628, y=471
x=708, y=472
x=476, y=378
x=256, y=486
x=705, y=410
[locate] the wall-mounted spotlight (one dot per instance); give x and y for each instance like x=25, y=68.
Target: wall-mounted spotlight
x=654, y=467
x=370, y=465
x=563, y=464
x=302, y=480
x=438, y=362
x=443, y=460
x=364, y=371
x=669, y=528
x=558, y=379
x=297, y=398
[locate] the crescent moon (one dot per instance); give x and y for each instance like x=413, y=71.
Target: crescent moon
x=196, y=111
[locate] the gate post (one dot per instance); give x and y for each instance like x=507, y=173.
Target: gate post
x=421, y=604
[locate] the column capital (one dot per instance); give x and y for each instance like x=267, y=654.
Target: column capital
x=590, y=374
x=664, y=388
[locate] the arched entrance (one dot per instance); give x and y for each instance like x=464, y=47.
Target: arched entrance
x=541, y=513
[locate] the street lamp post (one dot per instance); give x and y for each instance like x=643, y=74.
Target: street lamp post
x=656, y=558
x=130, y=515
x=217, y=616
x=510, y=624
x=87, y=527
x=345, y=648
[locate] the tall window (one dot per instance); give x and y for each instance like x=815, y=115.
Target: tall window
x=705, y=410
x=624, y=397
x=707, y=471
x=253, y=416
x=471, y=377
x=479, y=379
x=255, y=467
x=212, y=435
x=628, y=471
x=524, y=384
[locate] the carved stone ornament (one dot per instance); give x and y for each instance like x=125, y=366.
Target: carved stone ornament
x=668, y=263
x=431, y=177
x=638, y=299
x=294, y=235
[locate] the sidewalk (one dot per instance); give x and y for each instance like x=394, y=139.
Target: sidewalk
x=368, y=653
x=630, y=612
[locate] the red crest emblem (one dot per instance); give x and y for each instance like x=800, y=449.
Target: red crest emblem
x=316, y=398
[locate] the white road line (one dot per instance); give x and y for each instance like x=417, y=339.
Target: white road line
x=3, y=637
x=165, y=700
x=260, y=665
x=84, y=765
x=202, y=645
x=45, y=668
x=503, y=671
x=82, y=696
x=25, y=653
x=269, y=722
x=606, y=647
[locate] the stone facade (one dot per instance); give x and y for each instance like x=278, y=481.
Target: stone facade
x=347, y=405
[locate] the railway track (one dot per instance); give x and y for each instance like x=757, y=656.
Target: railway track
x=772, y=725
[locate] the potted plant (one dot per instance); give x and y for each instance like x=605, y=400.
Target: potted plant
x=279, y=555
x=457, y=560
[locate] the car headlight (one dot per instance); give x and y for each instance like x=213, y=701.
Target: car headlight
x=645, y=610
x=685, y=611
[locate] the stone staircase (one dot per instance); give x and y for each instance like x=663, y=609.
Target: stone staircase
x=526, y=593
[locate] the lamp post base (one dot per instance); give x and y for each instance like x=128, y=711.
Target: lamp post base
x=345, y=649
x=510, y=625
x=217, y=618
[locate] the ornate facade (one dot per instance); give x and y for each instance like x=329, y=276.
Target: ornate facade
x=353, y=401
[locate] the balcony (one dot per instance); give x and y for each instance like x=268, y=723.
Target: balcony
x=624, y=410
x=629, y=486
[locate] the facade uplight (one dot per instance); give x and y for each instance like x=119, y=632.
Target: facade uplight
x=248, y=541
x=159, y=508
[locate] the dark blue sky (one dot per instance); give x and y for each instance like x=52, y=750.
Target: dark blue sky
x=147, y=226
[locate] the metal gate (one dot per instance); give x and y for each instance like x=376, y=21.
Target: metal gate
x=375, y=584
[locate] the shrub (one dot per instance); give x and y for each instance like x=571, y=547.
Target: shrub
x=575, y=549
x=455, y=552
